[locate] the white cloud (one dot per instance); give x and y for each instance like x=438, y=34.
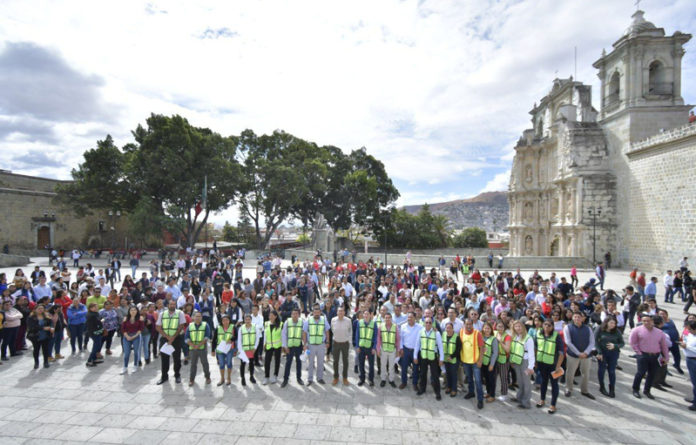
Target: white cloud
x=499, y=183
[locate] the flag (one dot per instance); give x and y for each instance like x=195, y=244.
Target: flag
x=198, y=208
x=204, y=195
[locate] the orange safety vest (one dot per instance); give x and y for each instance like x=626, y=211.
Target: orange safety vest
x=470, y=346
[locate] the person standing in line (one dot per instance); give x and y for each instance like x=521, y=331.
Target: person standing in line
x=648, y=343
x=77, y=317
x=94, y=330
x=247, y=342
x=669, y=328
x=170, y=325
x=410, y=338
x=689, y=346
x=502, y=365
x=317, y=331
x=452, y=349
x=428, y=355
x=522, y=358
x=471, y=357
x=197, y=336
x=609, y=341
x=273, y=344
x=293, y=336
x=131, y=328
x=549, y=358
x=366, y=339
x=490, y=358
x=387, y=345
x=580, y=343
x=226, y=333
x=342, y=328
x=39, y=332
x=257, y=320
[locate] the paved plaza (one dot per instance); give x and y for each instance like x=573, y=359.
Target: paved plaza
x=70, y=403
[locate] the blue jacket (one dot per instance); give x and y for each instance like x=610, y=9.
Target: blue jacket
x=77, y=316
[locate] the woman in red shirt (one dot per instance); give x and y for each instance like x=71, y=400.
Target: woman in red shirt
x=131, y=328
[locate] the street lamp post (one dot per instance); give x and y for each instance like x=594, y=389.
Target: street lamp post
x=594, y=213
x=113, y=214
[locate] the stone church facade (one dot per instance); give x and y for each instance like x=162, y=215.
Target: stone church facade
x=620, y=180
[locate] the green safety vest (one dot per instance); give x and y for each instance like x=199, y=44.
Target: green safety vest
x=388, y=338
x=224, y=336
x=366, y=332
x=273, y=338
x=517, y=350
x=428, y=344
x=294, y=331
x=248, y=337
x=546, y=348
x=197, y=334
x=502, y=356
x=487, y=352
x=316, y=330
x=451, y=349
x=170, y=323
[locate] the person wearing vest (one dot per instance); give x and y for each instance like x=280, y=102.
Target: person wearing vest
x=366, y=339
x=316, y=330
x=379, y=321
x=502, y=365
x=471, y=356
x=580, y=342
x=490, y=358
x=387, y=345
x=452, y=348
x=273, y=345
x=549, y=357
x=293, y=340
x=197, y=335
x=170, y=326
x=225, y=333
x=522, y=359
x=429, y=355
x=410, y=338
x=247, y=342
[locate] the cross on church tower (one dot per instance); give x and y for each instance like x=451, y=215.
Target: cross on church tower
x=638, y=4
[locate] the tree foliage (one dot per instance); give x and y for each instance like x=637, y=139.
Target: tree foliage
x=421, y=231
x=471, y=237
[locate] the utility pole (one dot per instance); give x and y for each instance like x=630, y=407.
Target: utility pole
x=594, y=213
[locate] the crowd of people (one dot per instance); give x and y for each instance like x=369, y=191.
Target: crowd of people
x=484, y=332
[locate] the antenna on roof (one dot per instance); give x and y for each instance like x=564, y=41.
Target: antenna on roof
x=637, y=5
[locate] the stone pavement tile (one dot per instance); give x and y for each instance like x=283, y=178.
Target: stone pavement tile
x=278, y=430
x=211, y=426
x=421, y=437
x=384, y=410
x=398, y=400
x=312, y=432
x=326, y=442
x=651, y=437
x=435, y=425
x=333, y=420
x=14, y=440
x=9, y=401
x=25, y=414
x=544, y=432
x=556, y=420
x=147, y=422
x=149, y=437
x=285, y=441
x=85, y=419
x=56, y=416
x=147, y=398
x=347, y=434
x=216, y=439
x=270, y=416
x=344, y=408
x=79, y=433
x=383, y=436
x=366, y=422
x=582, y=434
x=235, y=414
x=179, y=425
x=301, y=418
x=183, y=438
x=261, y=404
x=112, y=435
x=400, y=423
x=140, y=409
x=18, y=428
x=86, y=406
x=177, y=411
x=246, y=428
x=414, y=412
x=116, y=420
x=117, y=397
x=47, y=431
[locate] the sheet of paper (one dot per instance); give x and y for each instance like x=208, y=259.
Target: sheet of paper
x=223, y=348
x=242, y=356
x=167, y=349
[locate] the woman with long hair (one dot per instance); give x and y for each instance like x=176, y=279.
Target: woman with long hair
x=490, y=357
x=131, y=328
x=608, y=341
x=549, y=357
x=225, y=333
x=502, y=365
x=40, y=332
x=522, y=359
x=272, y=345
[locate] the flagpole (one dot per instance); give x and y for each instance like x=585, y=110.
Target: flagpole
x=205, y=204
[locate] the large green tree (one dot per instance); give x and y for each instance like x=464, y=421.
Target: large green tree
x=471, y=237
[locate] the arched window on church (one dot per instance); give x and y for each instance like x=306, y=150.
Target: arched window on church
x=657, y=80
x=540, y=128
x=614, y=89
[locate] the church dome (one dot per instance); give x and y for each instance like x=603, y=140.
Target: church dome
x=639, y=25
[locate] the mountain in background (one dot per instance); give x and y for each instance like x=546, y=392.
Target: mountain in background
x=488, y=211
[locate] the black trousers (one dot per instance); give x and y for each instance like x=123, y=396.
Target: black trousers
x=43, y=347
x=176, y=355
x=270, y=355
x=647, y=364
x=434, y=366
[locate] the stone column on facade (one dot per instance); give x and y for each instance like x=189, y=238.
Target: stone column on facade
x=562, y=243
x=677, y=54
x=561, y=204
x=578, y=202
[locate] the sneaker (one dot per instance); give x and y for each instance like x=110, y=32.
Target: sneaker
x=503, y=398
x=265, y=381
x=274, y=379
x=392, y=384
x=124, y=371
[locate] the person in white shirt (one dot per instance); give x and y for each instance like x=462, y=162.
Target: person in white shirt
x=105, y=288
x=668, y=282
x=410, y=337
x=457, y=324
x=348, y=288
x=541, y=298
x=42, y=290
x=689, y=346
x=523, y=342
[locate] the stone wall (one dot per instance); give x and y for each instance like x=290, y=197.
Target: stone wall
x=662, y=200
x=13, y=260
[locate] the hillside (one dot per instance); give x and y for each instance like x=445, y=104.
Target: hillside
x=485, y=210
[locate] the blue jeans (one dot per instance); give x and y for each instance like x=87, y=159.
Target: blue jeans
x=295, y=353
x=366, y=353
x=691, y=366
x=407, y=360
x=77, y=331
x=145, y=343
x=225, y=360
x=676, y=353
x=451, y=374
x=473, y=375
x=56, y=341
x=608, y=364
x=96, y=346
x=135, y=343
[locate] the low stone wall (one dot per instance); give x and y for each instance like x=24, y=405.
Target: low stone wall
x=13, y=260
x=509, y=263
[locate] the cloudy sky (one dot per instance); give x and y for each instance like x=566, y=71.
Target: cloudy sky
x=438, y=90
